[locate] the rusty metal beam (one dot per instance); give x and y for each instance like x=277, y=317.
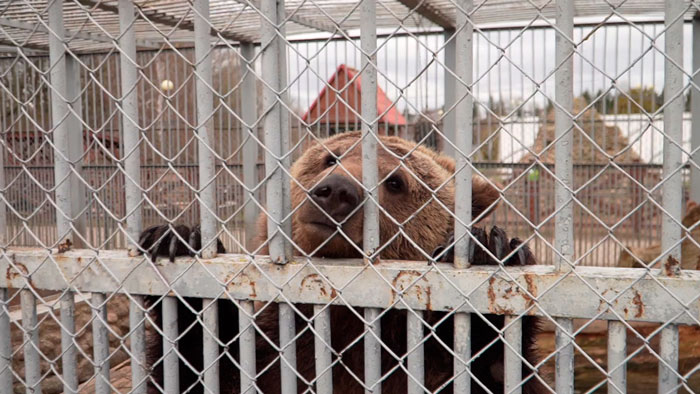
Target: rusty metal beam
x=633, y=294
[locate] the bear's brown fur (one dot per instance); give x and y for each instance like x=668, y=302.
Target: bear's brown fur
x=411, y=176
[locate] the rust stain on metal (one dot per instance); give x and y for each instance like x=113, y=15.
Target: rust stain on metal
x=239, y=282
x=637, y=301
x=671, y=266
x=531, y=289
x=313, y=281
x=11, y=274
x=407, y=278
x=493, y=298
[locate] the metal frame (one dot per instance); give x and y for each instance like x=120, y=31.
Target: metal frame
x=667, y=295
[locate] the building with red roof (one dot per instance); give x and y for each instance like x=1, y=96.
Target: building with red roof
x=338, y=106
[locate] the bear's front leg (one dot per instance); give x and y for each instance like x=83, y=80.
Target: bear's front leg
x=496, y=242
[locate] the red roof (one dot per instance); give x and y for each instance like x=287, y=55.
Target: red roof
x=330, y=109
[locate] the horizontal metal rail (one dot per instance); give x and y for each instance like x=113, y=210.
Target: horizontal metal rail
x=596, y=292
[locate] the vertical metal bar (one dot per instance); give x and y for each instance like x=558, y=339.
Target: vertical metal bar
x=324, y=356
x=138, y=344
x=672, y=188
x=464, y=132
x=171, y=375
x=75, y=146
x=695, y=113
x=416, y=357
x=211, y=345
x=68, y=358
x=132, y=182
x=288, y=358
x=463, y=352
x=101, y=343
x=5, y=344
x=247, y=346
x=30, y=332
x=278, y=200
x=513, y=359
x=564, y=359
x=463, y=129
x=370, y=180
x=617, y=352
x=563, y=124
x=129, y=122
x=59, y=123
x=668, y=350
x=3, y=197
x=284, y=122
x=673, y=130
x=279, y=249
x=249, y=114
x=448, y=121
x=205, y=132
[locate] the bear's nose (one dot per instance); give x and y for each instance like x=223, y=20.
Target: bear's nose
x=337, y=195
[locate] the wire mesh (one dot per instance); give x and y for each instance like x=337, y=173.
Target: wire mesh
x=209, y=196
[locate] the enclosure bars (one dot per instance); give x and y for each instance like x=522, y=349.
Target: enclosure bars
x=206, y=192
x=695, y=113
x=132, y=182
x=463, y=130
x=672, y=187
x=563, y=168
x=276, y=149
x=250, y=212
x=370, y=228
x=60, y=78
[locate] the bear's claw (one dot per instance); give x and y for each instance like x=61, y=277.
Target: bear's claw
x=160, y=240
x=497, y=244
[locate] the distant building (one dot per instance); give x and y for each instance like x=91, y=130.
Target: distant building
x=338, y=106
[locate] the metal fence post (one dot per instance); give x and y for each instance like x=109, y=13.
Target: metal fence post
x=246, y=312
x=370, y=179
x=100, y=339
x=673, y=182
x=563, y=168
x=463, y=130
x=448, y=120
x=32, y=359
x=76, y=146
x=207, y=185
x=249, y=114
x=59, y=122
x=205, y=131
x=171, y=360
x=5, y=343
x=132, y=180
x=278, y=198
x=617, y=352
x=68, y=346
x=695, y=113
x=129, y=113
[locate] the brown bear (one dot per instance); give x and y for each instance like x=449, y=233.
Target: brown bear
x=416, y=195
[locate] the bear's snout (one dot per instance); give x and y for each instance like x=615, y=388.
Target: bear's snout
x=337, y=195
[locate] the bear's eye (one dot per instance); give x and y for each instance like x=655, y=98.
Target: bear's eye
x=331, y=161
x=394, y=184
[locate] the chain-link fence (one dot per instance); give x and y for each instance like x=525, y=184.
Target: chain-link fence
x=344, y=196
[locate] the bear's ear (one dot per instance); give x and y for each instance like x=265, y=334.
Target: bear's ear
x=446, y=162
x=484, y=195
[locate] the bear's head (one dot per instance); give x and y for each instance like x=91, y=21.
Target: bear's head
x=416, y=196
